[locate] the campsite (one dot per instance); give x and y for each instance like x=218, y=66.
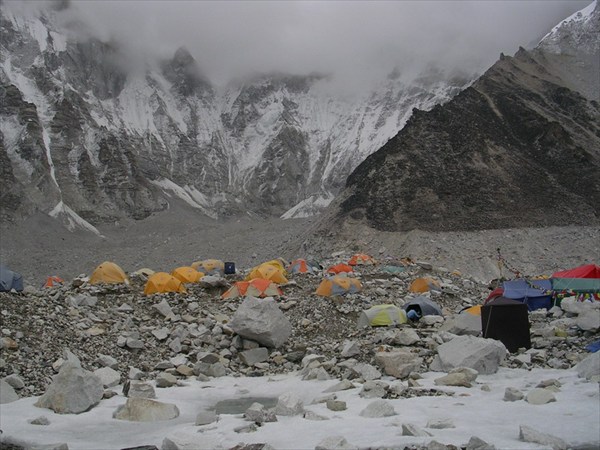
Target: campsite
x=373, y=330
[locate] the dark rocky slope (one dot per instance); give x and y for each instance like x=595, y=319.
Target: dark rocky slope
x=516, y=149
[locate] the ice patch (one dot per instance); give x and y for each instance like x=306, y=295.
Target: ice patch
x=71, y=219
x=309, y=207
x=188, y=194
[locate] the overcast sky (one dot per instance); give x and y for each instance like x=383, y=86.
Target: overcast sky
x=357, y=39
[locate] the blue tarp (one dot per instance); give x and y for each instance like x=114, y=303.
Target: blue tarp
x=536, y=294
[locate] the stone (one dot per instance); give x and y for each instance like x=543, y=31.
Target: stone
x=108, y=376
x=125, y=308
x=253, y=356
x=261, y=320
x=258, y=414
x=161, y=334
x=589, y=367
x=409, y=429
x=81, y=300
x=463, y=324
x=512, y=395
x=350, y=349
x=184, y=370
x=164, y=309
x=373, y=389
x=341, y=386
x=335, y=443
x=178, y=360
x=406, y=336
x=41, y=420
x=107, y=361
x=140, y=389
x=528, y=434
x=483, y=355
x=336, y=405
x=539, y=396
x=15, y=381
x=134, y=343
x=476, y=443
x=164, y=380
x=311, y=415
x=7, y=393
x=366, y=371
x=145, y=410
x=399, y=363
x=73, y=391
x=440, y=424
x=135, y=374
x=317, y=373
x=289, y=404
x=462, y=376
x=377, y=409
x=206, y=417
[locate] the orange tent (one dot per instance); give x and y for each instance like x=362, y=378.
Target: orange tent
x=210, y=266
x=423, y=285
x=338, y=285
x=360, y=259
x=259, y=287
x=187, y=274
x=302, y=266
x=108, y=272
x=53, y=281
x=339, y=268
x=162, y=282
x=268, y=272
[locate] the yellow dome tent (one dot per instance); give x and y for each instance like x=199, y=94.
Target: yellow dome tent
x=210, y=266
x=187, y=274
x=108, y=272
x=338, y=285
x=424, y=285
x=162, y=282
x=382, y=315
x=268, y=272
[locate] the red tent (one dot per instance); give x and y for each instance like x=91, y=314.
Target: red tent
x=587, y=271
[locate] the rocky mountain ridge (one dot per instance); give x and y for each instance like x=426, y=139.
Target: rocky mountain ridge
x=91, y=137
x=520, y=147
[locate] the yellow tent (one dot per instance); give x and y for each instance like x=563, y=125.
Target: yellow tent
x=268, y=272
x=474, y=310
x=382, y=315
x=162, y=282
x=338, y=285
x=210, y=266
x=108, y=272
x=187, y=274
x=424, y=285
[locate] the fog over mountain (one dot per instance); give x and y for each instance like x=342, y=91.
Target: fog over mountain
x=358, y=41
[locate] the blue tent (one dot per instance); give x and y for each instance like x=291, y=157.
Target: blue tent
x=10, y=280
x=536, y=294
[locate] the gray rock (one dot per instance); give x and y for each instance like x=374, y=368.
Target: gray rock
x=461, y=376
x=589, y=367
x=258, y=414
x=140, y=389
x=15, y=381
x=373, y=389
x=513, y=395
x=310, y=415
x=134, y=343
x=261, y=320
x=161, y=334
x=253, y=356
x=341, y=386
x=60, y=446
x=335, y=443
x=483, y=355
x=41, y=420
x=108, y=376
x=317, y=373
x=289, y=404
x=164, y=380
x=463, y=324
x=81, y=300
x=350, y=348
x=336, y=405
x=73, y=391
x=7, y=393
x=589, y=322
x=476, y=443
x=107, y=361
x=135, y=374
x=405, y=336
x=206, y=417
x=539, y=396
x=377, y=409
x=366, y=371
x=399, y=363
x=145, y=410
x=409, y=429
x=164, y=308
x=528, y=434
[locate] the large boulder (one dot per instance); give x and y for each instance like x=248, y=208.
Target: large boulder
x=138, y=409
x=463, y=324
x=483, y=355
x=7, y=393
x=589, y=367
x=399, y=363
x=261, y=320
x=74, y=390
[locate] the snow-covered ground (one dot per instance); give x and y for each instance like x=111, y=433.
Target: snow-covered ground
x=477, y=411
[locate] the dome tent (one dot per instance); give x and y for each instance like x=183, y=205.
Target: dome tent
x=210, y=266
x=258, y=287
x=268, y=272
x=162, y=282
x=382, y=315
x=108, y=272
x=187, y=274
x=10, y=280
x=338, y=285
